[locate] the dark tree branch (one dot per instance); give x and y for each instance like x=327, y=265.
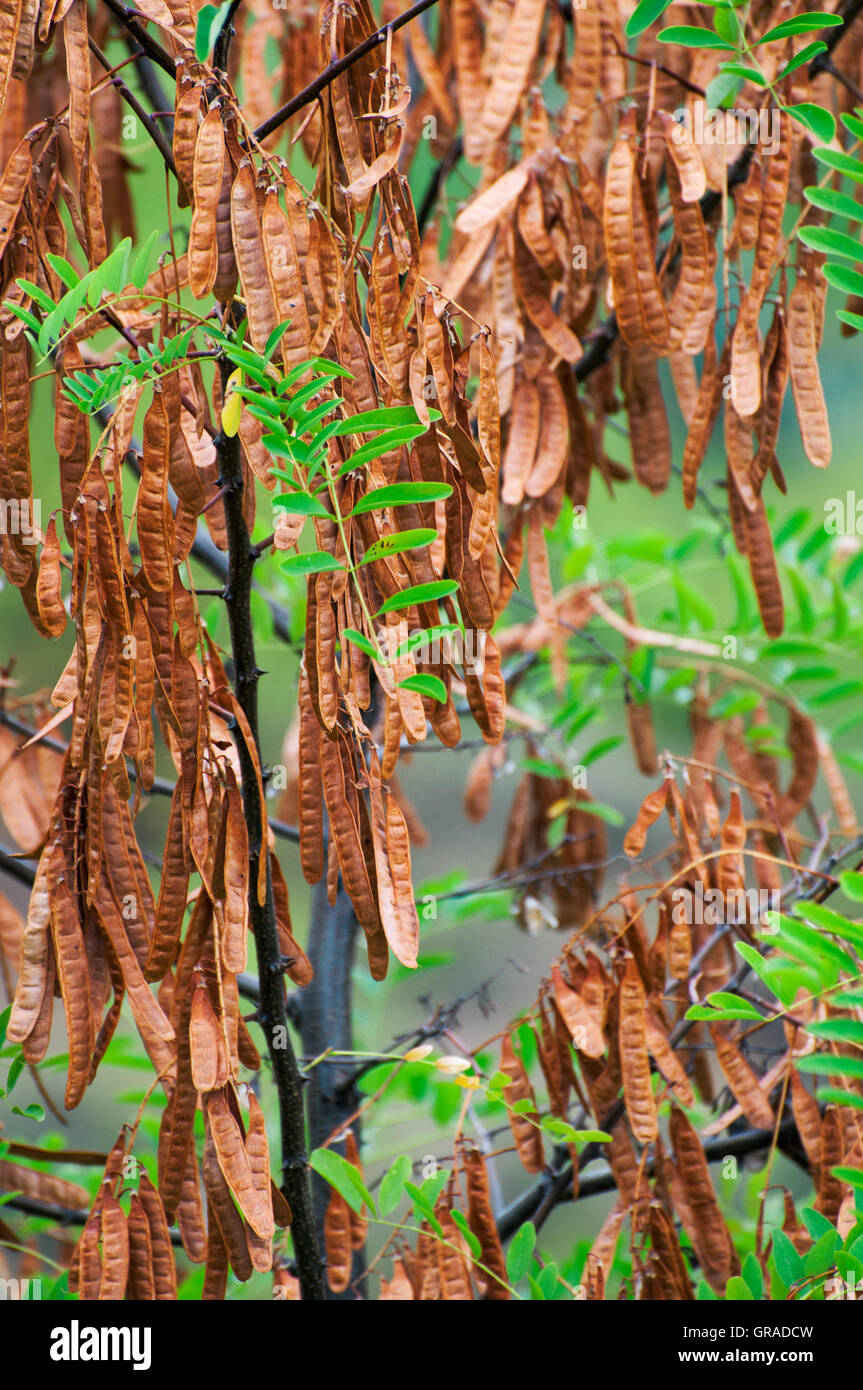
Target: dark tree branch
x=64, y=1216
x=442, y=168
x=556, y=1188
x=335, y=69
x=144, y=117
x=849, y=10
x=151, y=86
x=226, y=34
x=325, y=1022
x=133, y=26
x=271, y=1014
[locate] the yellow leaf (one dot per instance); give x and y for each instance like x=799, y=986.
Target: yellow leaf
x=232, y=408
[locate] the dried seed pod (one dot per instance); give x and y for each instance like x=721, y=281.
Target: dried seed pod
x=743, y=1083
x=481, y=1220
x=210, y=158
x=524, y=1126
x=805, y=377
x=209, y=1058
x=634, y=1062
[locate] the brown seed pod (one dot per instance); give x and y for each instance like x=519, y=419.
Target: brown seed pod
x=210, y=158
x=141, y=1283
x=511, y=70
x=235, y=1163
x=650, y=810
x=337, y=1242
x=805, y=377
x=743, y=1083
x=634, y=1063
x=481, y=1220
x=524, y=1126
x=209, y=1058
x=164, y=1270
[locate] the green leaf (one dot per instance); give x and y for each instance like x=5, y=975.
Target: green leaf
x=15, y=1071
x=842, y=163
x=397, y=542
x=742, y=1007
x=400, y=495
x=301, y=504
x=834, y=1095
x=140, y=269
x=807, y=23
x=275, y=338
x=344, y=1177
x=67, y=273
x=831, y=200
x=820, y=1259
x=723, y=89
x=393, y=1184
x=609, y=814
x=853, y=1176
x=740, y=70
x=30, y=1112
x=24, y=314
x=822, y=123
x=423, y=1208
x=36, y=293
x=4, y=1023
x=831, y=243
x=820, y=1064
x=852, y=886
x=854, y=321
x=209, y=23
x=362, y=642
x=725, y=25
x=387, y=417
x=803, y=58
x=753, y=1276
x=789, y=1265
x=816, y=1224
x=390, y=439
x=312, y=562
x=599, y=750
x=645, y=13
x=425, y=637
x=825, y=917
x=853, y=124
x=737, y=1290
x=520, y=1252
x=689, y=36
x=461, y=1221
x=431, y=686
x=418, y=593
